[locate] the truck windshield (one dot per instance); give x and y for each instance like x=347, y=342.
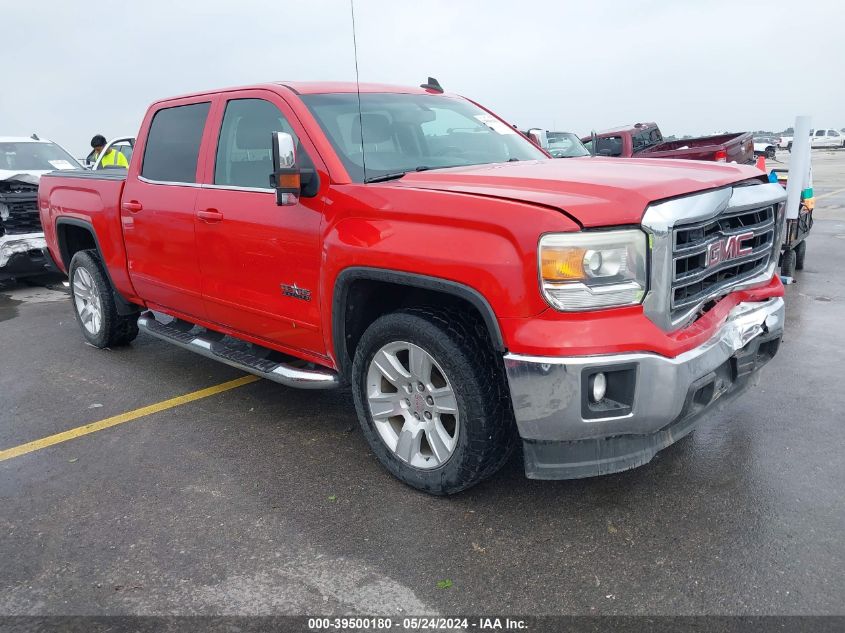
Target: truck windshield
x=35, y=156
x=411, y=132
x=566, y=145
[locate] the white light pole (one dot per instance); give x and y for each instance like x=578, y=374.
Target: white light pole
x=799, y=166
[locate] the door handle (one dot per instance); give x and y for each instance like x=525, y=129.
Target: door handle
x=210, y=215
x=133, y=206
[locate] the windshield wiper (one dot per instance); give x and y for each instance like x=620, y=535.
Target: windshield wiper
x=383, y=177
x=394, y=175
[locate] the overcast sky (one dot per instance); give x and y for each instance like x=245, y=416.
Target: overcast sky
x=74, y=69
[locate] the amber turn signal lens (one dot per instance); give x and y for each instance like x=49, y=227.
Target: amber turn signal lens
x=562, y=263
x=288, y=181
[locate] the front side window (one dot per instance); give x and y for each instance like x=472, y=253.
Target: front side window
x=173, y=143
x=397, y=133
x=244, y=155
x=35, y=156
x=833, y=133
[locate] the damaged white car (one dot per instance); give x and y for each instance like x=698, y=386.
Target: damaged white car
x=23, y=251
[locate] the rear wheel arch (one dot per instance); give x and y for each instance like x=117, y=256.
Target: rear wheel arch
x=362, y=295
x=74, y=235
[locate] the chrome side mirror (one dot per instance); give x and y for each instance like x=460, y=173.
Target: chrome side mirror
x=539, y=137
x=285, y=178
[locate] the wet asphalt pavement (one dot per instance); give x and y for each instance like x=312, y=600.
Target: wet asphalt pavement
x=267, y=500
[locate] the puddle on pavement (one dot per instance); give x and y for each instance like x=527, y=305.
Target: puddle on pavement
x=8, y=307
x=14, y=295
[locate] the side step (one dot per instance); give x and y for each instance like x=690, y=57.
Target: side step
x=238, y=354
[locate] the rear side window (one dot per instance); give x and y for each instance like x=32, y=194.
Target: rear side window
x=173, y=143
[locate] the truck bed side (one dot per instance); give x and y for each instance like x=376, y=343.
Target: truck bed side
x=84, y=206
x=705, y=148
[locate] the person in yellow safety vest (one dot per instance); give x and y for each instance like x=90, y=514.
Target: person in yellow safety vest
x=112, y=158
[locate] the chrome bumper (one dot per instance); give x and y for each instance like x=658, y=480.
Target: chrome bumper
x=550, y=403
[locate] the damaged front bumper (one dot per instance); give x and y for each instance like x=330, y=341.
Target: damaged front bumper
x=650, y=401
x=24, y=255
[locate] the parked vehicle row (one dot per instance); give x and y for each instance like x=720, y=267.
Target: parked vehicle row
x=415, y=246
x=820, y=138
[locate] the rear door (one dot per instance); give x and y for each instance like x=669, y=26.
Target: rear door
x=157, y=209
x=260, y=262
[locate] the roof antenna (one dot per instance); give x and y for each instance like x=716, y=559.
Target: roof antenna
x=433, y=85
x=34, y=137
x=358, y=88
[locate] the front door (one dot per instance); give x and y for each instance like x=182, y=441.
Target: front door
x=157, y=211
x=260, y=262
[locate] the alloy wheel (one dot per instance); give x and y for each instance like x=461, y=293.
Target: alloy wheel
x=413, y=405
x=86, y=298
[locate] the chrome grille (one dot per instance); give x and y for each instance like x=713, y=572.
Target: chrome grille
x=698, y=273
x=22, y=208
x=736, y=230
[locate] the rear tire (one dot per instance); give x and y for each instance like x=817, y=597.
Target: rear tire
x=426, y=353
x=770, y=153
x=800, y=252
x=787, y=263
x=92, y=297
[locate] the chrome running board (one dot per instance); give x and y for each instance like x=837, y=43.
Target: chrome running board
x=229, y=350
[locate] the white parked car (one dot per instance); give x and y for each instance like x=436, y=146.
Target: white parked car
x=827, y=138
x=23, y=251
x=765, y=146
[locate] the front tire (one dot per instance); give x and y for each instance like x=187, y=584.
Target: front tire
x=94, y=306
x=431, y=399
x=787, y=263
x=800, y=252
x=770, y=153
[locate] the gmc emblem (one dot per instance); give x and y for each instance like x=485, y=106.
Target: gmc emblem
x=728, y=248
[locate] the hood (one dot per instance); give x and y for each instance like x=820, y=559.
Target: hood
x=29, y=177
x=593, y=191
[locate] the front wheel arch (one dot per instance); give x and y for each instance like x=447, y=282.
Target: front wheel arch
x=363, y=294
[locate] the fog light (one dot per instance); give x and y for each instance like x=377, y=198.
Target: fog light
x=598, y=387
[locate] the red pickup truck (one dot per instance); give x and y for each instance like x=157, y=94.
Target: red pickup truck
x=472, y=291
x=644, y=140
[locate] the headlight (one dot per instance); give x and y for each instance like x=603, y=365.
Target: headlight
x=592, y=270
x=4, y=212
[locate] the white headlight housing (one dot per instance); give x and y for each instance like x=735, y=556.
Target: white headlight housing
x=593, y=270
x=4, y=212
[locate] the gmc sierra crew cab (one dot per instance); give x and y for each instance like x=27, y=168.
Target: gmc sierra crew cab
x=473, y=292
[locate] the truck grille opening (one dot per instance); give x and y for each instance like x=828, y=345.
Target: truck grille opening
x=711, y=257
x=21, y=213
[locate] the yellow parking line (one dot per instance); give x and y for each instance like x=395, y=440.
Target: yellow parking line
x=93, y=427
x=829, y=193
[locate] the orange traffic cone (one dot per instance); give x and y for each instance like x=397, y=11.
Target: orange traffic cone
x=761, y=163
